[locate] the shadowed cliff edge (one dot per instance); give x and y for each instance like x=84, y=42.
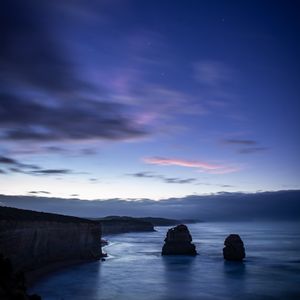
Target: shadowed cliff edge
x=37, y=242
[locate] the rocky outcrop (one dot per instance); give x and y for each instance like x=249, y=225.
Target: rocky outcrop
x=178, y=242
x=115, y=224
x=234, y=248
x=33, y=240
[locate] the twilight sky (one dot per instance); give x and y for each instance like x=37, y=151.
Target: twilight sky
x=148, y=99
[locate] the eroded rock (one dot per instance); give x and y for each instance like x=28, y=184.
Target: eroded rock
x=234, y=248
x=178, y=242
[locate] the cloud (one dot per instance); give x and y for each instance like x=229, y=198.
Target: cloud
x=4, y=160
x=39, y=192
x=44, y=96
x=179, y=180
x=164, y=179
x=249, y=146
x=52, y=172
x=199, y=165
x=2, y=171
x=275, y=205
x=31, y=54
x=15, y=166
x=212, y=73
x=28, y=120
x=240, y=142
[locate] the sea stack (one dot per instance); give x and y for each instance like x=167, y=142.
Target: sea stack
x=234, y=248
x=178, y=242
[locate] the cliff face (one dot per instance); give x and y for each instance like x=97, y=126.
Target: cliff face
x=36, y=240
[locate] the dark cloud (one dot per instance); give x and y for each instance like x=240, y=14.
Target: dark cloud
x=8, y=161
x=280, y=205
x=30, y=53
x=252, y=150
x=27, y=120
x=163, y=178
x=2, y=172
x=93, y=180
x=52, y=172
x=226, y=185
x=55, y=149
x=88, y=151
x=179, y=180
x=144, y=175
x=74, y=195
x=39, y=192
x=240, y=142
x=249, y=146
x=34, y=63
x=18, y=167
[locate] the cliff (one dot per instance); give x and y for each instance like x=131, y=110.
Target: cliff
x=33, y=240
x=115, y=224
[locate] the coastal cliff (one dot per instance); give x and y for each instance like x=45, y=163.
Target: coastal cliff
x=33, y=240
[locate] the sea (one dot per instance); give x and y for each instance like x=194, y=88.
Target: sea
x=135, y=269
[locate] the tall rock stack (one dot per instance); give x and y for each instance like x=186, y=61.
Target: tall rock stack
x=234, y=248
x=178, y=242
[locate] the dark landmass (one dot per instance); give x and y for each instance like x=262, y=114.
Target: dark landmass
x=155, y=221
x=37, y=243
x=15, y=214
x=238, y=206
x=12, y=284
x=117, y=224
x=166, y=222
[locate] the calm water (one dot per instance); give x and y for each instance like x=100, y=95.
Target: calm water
x=136, y=270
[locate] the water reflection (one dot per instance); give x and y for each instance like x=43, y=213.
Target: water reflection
x=234, y=268
x=178, y=274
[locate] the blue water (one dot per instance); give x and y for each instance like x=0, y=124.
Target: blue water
x=136, y=270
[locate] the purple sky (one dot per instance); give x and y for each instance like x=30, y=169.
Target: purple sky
x=148, y=99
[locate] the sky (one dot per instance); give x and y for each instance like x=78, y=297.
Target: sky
x=148, y=99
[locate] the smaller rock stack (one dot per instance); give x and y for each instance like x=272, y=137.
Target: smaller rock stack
x=234, y=248
x=178, y=242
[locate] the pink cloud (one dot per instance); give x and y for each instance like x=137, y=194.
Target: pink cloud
x=200, y=165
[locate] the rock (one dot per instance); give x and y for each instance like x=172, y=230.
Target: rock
x=178, y=242
x=12, y=284
x=234, y=248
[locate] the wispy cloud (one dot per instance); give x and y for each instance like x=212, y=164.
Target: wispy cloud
x=52, y=172
x=248, y=146
x=8, y=161
x=39, y=192
x=240, y=142
x=15, y=166
x=165, y=179
x=212, y=73
x=252, y=150
x=201, y=166
x=180, y=162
